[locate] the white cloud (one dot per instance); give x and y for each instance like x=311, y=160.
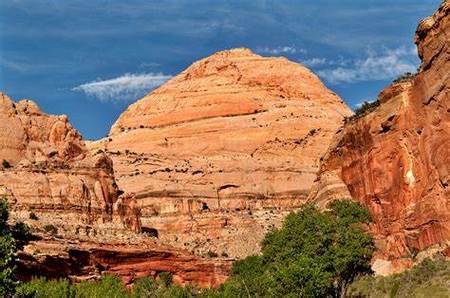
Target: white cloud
x=359, y=104
x=315, y=62
x=281, y=50
x=126, y=87
x=377, y=66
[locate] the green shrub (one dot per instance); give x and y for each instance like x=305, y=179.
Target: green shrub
x=405, y=77
x=41, y=288
x=364, y=109
x=21, y=233
x=166, y=278
x=430, y=278
x=6, y=164
x=108, y=286
x=145, y=287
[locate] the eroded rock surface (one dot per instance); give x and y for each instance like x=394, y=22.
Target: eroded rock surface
x=68, y=196
x=396, y=159
x=86, y=260
x=50, y=167
x=220, y=153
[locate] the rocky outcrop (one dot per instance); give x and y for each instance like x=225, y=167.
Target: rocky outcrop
x=80, y=261
x=395, y=159
x=83, y=224
x=47, y=167
x=212, y=153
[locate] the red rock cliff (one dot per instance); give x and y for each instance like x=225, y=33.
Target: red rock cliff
x=212, y=153
x=395, y=160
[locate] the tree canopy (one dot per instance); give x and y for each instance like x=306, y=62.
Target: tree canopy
x=314, y=254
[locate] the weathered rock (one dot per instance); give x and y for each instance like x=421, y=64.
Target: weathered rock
x=395, y=160
x=80, y=261
x=209, y=153
x=69, y=198
x=50, y=166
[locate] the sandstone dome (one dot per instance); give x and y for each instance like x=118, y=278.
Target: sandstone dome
x=233, y=134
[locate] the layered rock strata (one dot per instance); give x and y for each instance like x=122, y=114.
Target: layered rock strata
x=83, y=224
x=395, y=160
x=78, y=261
x=220, y=153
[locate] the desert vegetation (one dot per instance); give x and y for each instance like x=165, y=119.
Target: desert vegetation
x=365, y=108
x=407, y=76
x=431, y=278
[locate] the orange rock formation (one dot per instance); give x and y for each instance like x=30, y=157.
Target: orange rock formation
x=212, y=153
x=50, y=167
x=396, y=159
x=84, y=227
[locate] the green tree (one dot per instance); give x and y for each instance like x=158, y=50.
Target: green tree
x=7, y=251
x=314, y=254
x=12, y=238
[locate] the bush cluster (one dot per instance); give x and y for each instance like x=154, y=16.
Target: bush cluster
x=364, y=109
x=107, y=286
x=405, y=77
x=431, y=278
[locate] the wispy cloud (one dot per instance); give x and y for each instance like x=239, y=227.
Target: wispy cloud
x=314, y=62
x=376, y=66
x=126, y=87
x=324, y=62
x=280, y=50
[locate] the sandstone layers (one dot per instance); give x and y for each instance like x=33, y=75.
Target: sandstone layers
x=58, y=258
x=218, y=155
x=50, y=167
x=396, y=159
x=84, y=225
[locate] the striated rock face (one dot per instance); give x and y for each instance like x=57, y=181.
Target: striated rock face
x=211, y=153
x=396, y=159
x=84, y=225
x=50, y=167
x=88, y=260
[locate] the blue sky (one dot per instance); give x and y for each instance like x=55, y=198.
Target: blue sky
x=91, y=59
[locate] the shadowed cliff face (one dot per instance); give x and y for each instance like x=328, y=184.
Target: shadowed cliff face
x=396, y=159
x=220, y=153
